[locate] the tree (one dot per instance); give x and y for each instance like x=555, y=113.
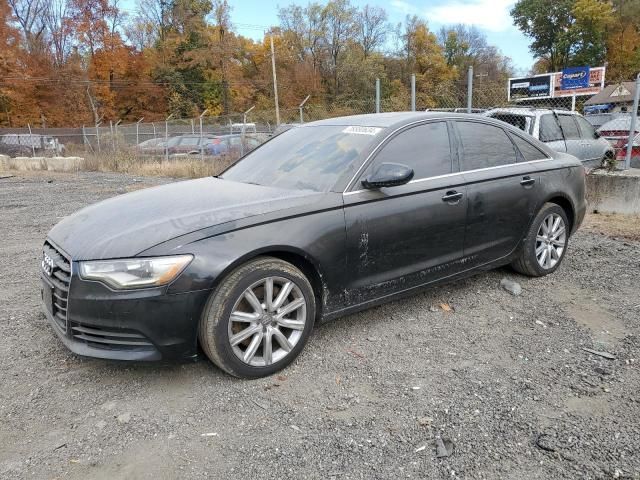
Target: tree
x=565, y=32
x=623, y=41
x=30, y=16
x=304, y=30
x=371, y=28
x=340, y=21
x=425, y=57
x=549, y=23
x=55, y=17
x=9, y=52
x=592, y=21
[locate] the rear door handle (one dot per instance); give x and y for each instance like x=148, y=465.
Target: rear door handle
x=452, y=197
x=527, y=181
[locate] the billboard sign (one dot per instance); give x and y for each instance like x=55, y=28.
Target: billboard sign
x=551, y=85
x=538, y=86
x=595, y=85
x=574, y=77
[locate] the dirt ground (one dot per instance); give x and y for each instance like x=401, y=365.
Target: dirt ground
x=503, y=379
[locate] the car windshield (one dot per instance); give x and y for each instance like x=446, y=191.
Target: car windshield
x=304, y=158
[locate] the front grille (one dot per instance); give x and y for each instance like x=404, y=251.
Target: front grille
x=60, y=278
x=110, y=339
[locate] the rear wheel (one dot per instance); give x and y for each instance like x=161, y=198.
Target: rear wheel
x=546, y=242
x=258, y=319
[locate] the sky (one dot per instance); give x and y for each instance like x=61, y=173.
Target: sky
x=490, y=16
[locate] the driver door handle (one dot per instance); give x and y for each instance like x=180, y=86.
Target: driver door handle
x=527, y=181
x=452, y=197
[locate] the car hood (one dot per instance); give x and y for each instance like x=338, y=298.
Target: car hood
x=128, y=224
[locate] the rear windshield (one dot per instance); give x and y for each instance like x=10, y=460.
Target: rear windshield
x=523, y=122
x=304, y=158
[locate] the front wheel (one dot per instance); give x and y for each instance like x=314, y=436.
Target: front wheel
x=546, y=242
x=258, y=319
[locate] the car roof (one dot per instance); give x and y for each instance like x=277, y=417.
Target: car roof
x=386, y=120
x=529, y=111
x=620, y=123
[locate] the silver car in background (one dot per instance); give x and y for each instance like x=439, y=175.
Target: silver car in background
x=561, y=130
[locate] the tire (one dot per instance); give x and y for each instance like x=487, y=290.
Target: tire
x=529, y=258
x=249, y=357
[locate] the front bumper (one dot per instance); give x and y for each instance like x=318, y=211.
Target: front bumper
x=142, y=325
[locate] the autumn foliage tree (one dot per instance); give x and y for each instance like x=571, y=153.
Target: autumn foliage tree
x=79, y=62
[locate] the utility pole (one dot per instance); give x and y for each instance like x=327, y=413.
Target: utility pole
x=377, y=95
x=275, y=81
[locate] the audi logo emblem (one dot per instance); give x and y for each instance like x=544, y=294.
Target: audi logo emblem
x=47, y=264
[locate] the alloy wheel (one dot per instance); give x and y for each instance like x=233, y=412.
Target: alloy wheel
x=267, y=321
x=551, y=241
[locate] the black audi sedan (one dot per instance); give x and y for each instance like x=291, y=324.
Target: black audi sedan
x=323, y=220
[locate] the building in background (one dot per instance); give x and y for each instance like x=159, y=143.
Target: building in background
x=616, y=98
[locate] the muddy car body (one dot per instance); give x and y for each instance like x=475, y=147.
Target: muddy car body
x=346, y=214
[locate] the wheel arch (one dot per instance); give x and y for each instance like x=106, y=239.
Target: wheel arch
x=564, y=202
x=298, y=258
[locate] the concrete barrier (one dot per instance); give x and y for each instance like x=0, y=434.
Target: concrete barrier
x=52, y=164
x=614, y=192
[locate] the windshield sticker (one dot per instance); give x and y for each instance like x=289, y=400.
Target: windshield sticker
x=358, y=130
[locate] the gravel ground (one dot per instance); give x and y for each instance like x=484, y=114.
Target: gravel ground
x=503, y=379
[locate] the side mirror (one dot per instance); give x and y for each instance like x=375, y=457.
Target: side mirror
x=388, y=175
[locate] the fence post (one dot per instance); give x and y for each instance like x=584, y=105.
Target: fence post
x=98, y=136
x=302, y=106
x=138, y=133
x=632, y=127
x=116, y=135
x=201, y=145
x=166, y=137
x=113, y=144
x=413, y=92
x=470, y=89
x=377, y=95
x=33, y=147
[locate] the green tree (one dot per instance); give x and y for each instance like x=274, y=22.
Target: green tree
x=549, y=23
x=565, y=32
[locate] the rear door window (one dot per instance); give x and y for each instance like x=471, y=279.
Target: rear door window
x=569, y=127
x=549, y=128
x=485, y=146
x=528, y=151
x=424, y=148
x=586, y=129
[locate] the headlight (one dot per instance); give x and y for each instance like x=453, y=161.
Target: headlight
x=135, y=272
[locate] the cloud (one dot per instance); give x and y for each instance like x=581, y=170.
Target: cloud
x=404, y=7
x=487, y=14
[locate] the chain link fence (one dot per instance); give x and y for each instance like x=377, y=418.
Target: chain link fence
x=552, y=120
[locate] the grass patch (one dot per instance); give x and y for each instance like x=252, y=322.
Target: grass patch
x=187, y=167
